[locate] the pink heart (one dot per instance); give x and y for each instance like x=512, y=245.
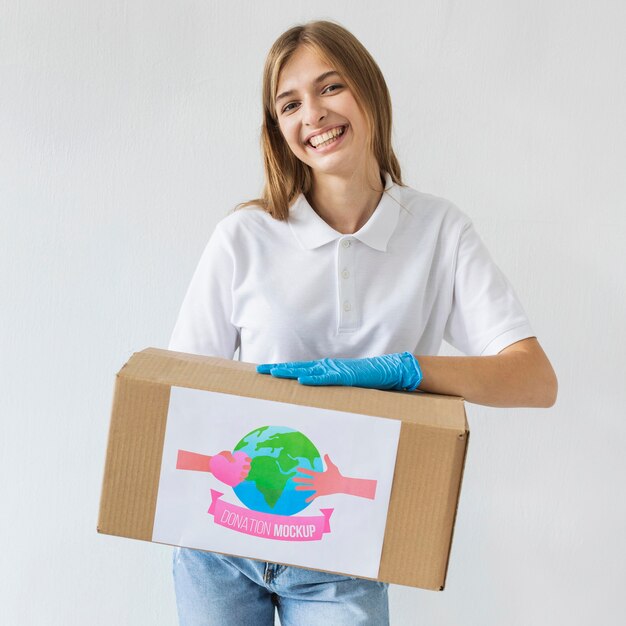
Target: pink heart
x=232, y=472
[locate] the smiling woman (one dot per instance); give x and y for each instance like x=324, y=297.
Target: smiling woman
x=338, y=260
x=324, y=126
x=316, y=78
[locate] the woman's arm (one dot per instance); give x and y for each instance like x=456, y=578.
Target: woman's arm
x=518, y=376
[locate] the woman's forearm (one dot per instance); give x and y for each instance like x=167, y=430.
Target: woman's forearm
x=519, y=376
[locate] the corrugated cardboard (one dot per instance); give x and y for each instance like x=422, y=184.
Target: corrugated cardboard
x=427, y=478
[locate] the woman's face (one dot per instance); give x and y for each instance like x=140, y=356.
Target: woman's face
x=319, y=116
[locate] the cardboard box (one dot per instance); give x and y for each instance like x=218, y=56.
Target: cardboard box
x=431, y=451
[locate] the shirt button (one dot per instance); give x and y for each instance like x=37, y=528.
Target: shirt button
x=346, y=243
x=347, y=306
x=345, y=274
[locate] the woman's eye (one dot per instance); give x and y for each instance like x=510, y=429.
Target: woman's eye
x=333, y=87
x=286, y=108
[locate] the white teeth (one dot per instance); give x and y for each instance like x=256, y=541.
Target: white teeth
x=324, y=137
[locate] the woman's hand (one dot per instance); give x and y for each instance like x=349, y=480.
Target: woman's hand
x=520, y=375
x=389, y=371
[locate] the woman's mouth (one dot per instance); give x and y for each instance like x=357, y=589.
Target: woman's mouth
x=319, y=142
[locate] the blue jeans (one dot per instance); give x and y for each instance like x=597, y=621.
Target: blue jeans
x=213, y=589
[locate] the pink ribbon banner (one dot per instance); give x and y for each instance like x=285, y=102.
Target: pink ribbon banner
x=268, y=525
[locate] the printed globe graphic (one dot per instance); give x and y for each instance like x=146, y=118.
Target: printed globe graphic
x=276, y=452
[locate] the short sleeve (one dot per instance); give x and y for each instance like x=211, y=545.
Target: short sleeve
x=486, y=315
x=204, y=323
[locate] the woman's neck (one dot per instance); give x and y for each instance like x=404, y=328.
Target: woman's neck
x=346, y=203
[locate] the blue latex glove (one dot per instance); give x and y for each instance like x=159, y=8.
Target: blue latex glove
x=390, y=371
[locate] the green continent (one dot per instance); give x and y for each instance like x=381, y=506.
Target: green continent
x=265, y=472
x=294, y=445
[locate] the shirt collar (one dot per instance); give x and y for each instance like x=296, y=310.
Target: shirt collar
x=311, y=231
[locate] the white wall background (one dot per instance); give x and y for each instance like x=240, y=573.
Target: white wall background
x=129, y=128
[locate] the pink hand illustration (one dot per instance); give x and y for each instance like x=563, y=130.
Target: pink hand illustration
x=227, y=467
x=332, y=481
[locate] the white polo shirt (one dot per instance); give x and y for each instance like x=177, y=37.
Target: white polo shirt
x=415, y=274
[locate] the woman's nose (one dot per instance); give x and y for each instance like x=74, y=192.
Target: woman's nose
x=314, y=112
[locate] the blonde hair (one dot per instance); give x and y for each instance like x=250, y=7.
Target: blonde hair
x=285, y=175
